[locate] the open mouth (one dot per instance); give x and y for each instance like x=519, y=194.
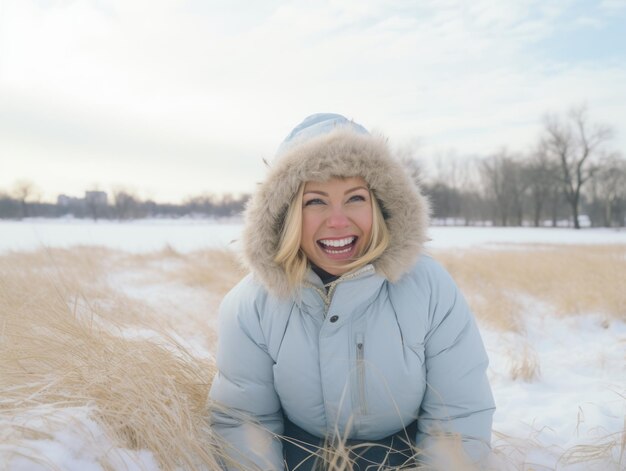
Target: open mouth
x=338, y=246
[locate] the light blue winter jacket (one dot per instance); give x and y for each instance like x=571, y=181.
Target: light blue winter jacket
x=388, y=344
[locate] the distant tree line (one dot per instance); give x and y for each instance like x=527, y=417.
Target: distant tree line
x=570, y=176
x=124, y=205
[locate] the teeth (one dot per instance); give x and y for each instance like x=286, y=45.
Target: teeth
x=339, y=251
x=338, y=242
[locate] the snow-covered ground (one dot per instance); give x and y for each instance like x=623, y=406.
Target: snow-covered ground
x=574, y=404
x=135, y=236
x=577, y=398
x=186, y=235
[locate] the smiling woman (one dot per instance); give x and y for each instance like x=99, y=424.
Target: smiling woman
x=346, y=347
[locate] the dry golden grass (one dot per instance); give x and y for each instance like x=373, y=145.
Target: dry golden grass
x=571, y=279
x=524, y=365
x=217, y=270
x=601, y=451
x=76, y=270
x=58, y=350
x=338, y=455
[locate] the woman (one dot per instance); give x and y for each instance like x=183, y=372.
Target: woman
x=345, y=333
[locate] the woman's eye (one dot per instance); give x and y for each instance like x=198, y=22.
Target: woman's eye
x=314, y=201
x=357, y=198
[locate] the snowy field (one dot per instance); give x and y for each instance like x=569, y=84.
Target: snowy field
x=185, y=235
x=559, y=381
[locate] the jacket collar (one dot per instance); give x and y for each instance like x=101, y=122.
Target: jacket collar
x=352, y=292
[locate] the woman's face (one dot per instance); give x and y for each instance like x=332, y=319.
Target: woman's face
x=336, y=222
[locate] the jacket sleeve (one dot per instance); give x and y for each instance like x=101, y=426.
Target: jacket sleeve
x=244, y=407
x=458, y=406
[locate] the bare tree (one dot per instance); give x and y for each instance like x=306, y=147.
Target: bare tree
x=96, y=203
x=504, y=181
x=473, y=206
x=447, y=185
x=609, y=188
x=200, y=204
x=23, y=191
x=125, y=204
x=576, y=145
x=9, y=207
x=543, y=184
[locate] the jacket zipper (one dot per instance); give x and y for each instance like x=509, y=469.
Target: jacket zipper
x=328, y=297
x=360, y=373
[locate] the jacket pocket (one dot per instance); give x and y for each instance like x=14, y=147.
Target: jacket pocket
x=360, y=374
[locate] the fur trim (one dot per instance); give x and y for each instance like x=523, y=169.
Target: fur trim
x=340, y=153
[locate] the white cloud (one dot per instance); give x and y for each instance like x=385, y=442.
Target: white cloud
x=613, y=5
x=587, y=22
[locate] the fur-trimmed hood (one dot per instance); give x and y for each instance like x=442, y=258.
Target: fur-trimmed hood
x=339, y=151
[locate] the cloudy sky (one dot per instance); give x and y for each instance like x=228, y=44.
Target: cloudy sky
x=182, y=97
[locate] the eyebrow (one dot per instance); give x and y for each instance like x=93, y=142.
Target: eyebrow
x=351, y=190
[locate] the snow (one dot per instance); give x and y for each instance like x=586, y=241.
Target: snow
x=186, y=235
x=464, y=237
x=71, y=441
x=150, y=235
x=578, y=396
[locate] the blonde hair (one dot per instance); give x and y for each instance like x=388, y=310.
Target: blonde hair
x=294, y=261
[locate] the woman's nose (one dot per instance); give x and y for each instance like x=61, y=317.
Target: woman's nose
x=337, y=218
